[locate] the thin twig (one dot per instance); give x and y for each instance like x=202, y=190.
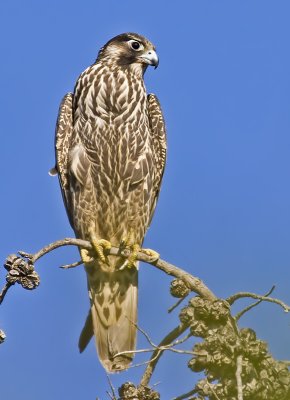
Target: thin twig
x=145, y=334
x=142, y=363
x=176, y=305
x=72, y=265
x=194, y=283
x=59, y=243
x=182, y=340
x=248, y=308
x=186, y=395
x=4, y=291
x=110, y=395
x=168, y=347
x=154, y=347
x=287, y=362
x=113, y=395
x=239, y=377
x=241, y=295
x=174, y=334
x=159, y=348
x=214, y=393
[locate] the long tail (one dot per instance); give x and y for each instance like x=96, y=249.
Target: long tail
x=113, y=316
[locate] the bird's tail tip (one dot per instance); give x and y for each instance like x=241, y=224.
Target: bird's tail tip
x=117, y=364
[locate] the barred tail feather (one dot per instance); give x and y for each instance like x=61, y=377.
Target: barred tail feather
x=113, y=316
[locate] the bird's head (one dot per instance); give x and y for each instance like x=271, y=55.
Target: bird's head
x=131, y=50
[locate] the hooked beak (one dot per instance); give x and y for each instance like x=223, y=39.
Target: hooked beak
x=150, y=58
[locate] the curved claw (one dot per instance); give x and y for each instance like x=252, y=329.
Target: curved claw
x=135, y=248
x=85, y=255
x=100, y=245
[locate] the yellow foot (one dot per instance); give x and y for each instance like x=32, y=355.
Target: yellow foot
x=86, y=256
x=101, y=245
x=135, y=248
x=154, y=256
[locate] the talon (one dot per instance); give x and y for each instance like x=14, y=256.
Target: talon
x=101, y=245
x=154, y=256
x=135, y=248
x=85, y=255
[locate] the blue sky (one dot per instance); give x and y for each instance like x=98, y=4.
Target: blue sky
x=224, y=210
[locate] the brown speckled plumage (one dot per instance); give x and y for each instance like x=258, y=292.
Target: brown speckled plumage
x=110, y=157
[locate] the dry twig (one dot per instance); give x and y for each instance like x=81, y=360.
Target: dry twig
x=195, y=284
x=248, y=308
x=239, y=377
x=242, y=295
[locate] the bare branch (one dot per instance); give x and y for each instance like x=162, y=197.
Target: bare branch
x=4, y=291
x=72, y=265
x=176, y=305
x=140, y=364
x=160, y=348
x=182, y=340
x=174, y=334
x=194, y=283
x=286, y=362
x=145, y=334
x=154, y=347
x=186, y=395
x=241, y=295
x=113, y=394
x=248, y=308
x=55, y=245
x=239, y=377
x=214, y=393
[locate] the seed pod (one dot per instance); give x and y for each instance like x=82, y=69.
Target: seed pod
x=21, y=271
x=178, y=288
x=186, y=315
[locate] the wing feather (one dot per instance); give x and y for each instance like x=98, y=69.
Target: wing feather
x=63, y=141
x=158, y=132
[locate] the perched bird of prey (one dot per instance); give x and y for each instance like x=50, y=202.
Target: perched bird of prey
x=110, y=155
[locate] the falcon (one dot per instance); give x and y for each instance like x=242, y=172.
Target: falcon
x=110, y=155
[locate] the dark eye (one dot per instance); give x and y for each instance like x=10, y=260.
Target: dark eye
x=135, y=45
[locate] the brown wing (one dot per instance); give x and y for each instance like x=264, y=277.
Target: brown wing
x=63, y=139
x=158, y=132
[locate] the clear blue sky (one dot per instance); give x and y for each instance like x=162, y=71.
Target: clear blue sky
x=224, y=210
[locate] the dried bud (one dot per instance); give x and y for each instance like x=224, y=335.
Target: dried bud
x=200, y=306
x=198, y=364
x=255, y=350
x=178, y=288
x=128, y=391
x=198, y=328
x=248, y=334
x=204, y=387
x=145, y=393
x=220, y=311
x=214, y=312
x=186, y=315
x=22, y=272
